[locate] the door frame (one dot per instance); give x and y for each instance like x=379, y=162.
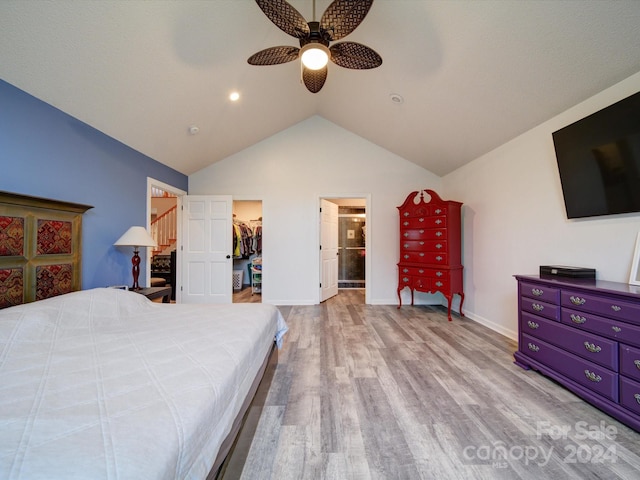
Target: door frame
x=367, y=240
x=152, y=182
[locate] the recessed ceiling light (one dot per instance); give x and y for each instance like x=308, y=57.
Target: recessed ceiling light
x=397, y=99
x=234, y=96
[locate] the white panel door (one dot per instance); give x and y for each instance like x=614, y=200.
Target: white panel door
x=206, y=249
x=328, y=249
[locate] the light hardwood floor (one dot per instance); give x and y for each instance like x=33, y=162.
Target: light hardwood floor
x=373, y=392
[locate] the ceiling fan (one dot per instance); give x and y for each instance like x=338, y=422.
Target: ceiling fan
x=339, y=20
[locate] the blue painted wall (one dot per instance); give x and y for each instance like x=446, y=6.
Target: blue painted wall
x=47, y=153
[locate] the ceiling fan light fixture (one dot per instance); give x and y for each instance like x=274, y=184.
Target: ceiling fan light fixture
x=314, y=55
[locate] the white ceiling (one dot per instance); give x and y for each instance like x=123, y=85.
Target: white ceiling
x=473, y=74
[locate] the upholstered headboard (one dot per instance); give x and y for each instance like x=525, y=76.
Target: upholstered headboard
x=40, y=248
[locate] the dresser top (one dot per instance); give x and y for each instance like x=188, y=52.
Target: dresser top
x=588, y=284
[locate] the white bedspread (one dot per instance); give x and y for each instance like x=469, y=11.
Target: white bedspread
x=105, y=384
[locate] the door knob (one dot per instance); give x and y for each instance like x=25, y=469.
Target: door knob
x=228, y=256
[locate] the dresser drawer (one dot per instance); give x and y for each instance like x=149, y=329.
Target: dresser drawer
x=591, y=347
x=630, y=361
x=424, y=234
x=587, y=374
x=601, y=305
x=436, y=258
x=541, y=292
x=422, y=221
x=423, y=245
x=630, y=395
x=624, y=332
x=538, y=307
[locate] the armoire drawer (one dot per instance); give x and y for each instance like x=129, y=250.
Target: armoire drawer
x=424, y=234
x=630, y=394
x=587, y=345
x=630, y=361
x=601, y=305
x=540, y=292
x=584, y=372
x=621, y=331
x=541, y=308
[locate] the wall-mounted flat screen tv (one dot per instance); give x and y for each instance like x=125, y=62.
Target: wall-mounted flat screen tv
x=599, y=161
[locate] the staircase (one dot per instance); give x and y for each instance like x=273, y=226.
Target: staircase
x=164, y=231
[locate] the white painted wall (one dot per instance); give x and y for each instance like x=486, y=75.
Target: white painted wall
x=289, y=172
x=514, y=219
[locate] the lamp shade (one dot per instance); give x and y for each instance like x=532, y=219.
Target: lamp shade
x=136, y=237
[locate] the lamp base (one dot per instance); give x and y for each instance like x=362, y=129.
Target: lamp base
x=135, y=270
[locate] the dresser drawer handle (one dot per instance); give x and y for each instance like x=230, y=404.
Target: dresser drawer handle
x=592, y=347
x=533, y=347
x=637, y=364
x=439, y=283
x=438, y=234
x=616, y=329
x=438, y=211
x=406, y=214
x=439, y=258
x=405, y=270
x=421, y=243
x=594, y=377
x=421, y=220
x=577, y=300
x=577, y=318
x=537, y=292
x=406, y=224
x=438, y=222
x=637, y=397
x=537, y=307
x=421, y=271
x=439, y=246
x=406, y=256
x=421, y=231
x=616, y=308
x=405, y=279
x=421, y=254
x=405, y=234
x=533, y=325
x=439, y=274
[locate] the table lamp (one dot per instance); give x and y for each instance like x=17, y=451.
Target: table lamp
x=136, y=237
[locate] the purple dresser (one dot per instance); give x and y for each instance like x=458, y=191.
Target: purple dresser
x=585, y=334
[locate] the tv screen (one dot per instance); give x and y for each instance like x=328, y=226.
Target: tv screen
x=599, y=161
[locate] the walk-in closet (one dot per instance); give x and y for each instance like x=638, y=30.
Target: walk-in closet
x=247, y=251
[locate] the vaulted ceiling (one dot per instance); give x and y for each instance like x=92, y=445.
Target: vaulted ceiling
x=472, y=74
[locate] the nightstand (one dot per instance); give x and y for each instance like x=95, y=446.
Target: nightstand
x=156, y=292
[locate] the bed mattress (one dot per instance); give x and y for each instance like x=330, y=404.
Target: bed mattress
x=106, y=384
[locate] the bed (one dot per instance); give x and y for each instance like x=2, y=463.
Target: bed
x=107, y=384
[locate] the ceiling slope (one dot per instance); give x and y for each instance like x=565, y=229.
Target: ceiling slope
x=473, y=75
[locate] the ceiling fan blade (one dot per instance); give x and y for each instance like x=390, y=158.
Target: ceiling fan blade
x=343, y=16
x=285, y=17
x=355, y=56
x=314, y=79
x=274, y=56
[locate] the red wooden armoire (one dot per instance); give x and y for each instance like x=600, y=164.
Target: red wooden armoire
x=430, y=246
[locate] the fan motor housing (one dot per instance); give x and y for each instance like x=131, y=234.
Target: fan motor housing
x=316, y=35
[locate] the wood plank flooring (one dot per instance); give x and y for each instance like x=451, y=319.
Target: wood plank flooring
x=376, y=392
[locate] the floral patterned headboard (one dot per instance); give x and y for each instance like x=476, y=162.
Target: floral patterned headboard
x=40, y=248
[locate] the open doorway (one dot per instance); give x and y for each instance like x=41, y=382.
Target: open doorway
x=163, y=220
x=247, y=251
x=349, y=227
